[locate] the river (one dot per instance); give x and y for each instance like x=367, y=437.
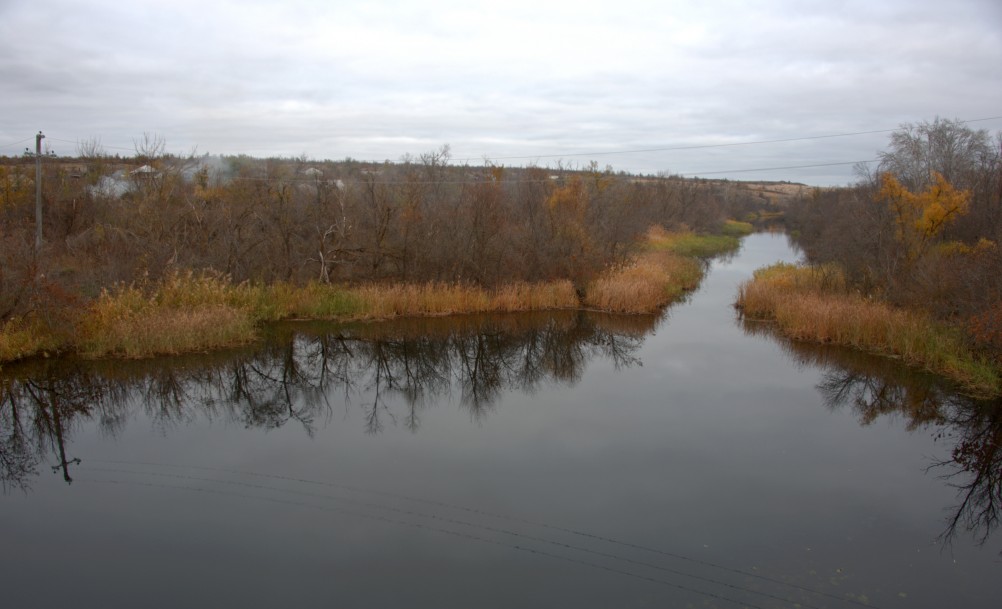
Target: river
x=543, y=460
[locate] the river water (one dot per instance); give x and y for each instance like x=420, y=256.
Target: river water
x=543, y=460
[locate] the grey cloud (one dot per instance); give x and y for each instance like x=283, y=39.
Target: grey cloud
x=387, y=79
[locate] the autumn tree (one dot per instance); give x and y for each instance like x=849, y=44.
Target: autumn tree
x=920, y=217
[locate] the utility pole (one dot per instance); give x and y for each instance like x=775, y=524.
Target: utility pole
x=38, y=192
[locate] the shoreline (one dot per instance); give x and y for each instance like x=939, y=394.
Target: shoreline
x=189, y=312
x=812, y=304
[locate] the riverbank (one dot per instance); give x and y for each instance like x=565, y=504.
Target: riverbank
x=197, y=312
x=813, y=304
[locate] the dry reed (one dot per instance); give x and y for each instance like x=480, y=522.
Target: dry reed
x=405, y=300
x=645, y=285
x=185, y=313
x=812, y=305
x=20, y=338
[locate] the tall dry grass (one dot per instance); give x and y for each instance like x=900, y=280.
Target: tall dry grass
x=190, y=312
x=403, y=300
x=645, y=285
x=24, y=337
x=184, y=313
x=812, y=304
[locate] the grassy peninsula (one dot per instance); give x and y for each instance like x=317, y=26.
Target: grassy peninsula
x=815, y=304
x=188, y=311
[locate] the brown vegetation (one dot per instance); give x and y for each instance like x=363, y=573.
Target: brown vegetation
x=812, y=304
x=644, y=285
x=916, y=240
x=298, y=238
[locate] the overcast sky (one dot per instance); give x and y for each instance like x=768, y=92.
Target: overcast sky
x=524, y=82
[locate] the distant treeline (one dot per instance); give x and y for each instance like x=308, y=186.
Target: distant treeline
x=108, y=220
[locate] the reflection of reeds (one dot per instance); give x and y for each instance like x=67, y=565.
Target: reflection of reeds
x=636, y=326
x=812, y=305
x=438, y=327
x=645, y=285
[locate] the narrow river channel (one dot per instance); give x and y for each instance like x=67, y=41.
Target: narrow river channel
x=543, y=460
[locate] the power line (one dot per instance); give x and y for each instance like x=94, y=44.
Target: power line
x=77, y=142
x=27, y=139
x=707, y=173
x=637, y=150
x=549, y=179
x=704, y=146
x=607, y=153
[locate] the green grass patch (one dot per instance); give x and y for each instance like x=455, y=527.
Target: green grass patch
x=736, y=228
x=687, y=243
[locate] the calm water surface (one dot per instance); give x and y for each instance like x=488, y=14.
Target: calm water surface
x=563, y=460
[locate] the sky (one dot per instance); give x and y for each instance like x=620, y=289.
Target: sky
x=691, y=88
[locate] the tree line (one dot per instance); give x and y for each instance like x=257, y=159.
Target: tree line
x=423, y=219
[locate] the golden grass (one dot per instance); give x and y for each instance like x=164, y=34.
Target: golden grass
x=188, y=312
x=536, y=296
x=812, y=305
x=127, y=322
x=167, y=331
x=20, y=338
x=406, y=300
x=645, y=285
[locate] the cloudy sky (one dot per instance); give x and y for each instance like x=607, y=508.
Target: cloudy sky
x=683, y=87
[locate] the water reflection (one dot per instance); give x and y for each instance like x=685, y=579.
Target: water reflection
x=301, y=372
x=877, y=386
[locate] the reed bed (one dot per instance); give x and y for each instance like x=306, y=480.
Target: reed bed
x=185, y=313
x=405, y=300
x=189, y=312
x=20, y=338
x=645, y=285
x=813, y=305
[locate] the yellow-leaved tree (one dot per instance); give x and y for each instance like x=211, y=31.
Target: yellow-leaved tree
x=920, y=217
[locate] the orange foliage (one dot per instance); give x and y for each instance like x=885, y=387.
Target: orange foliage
x=921, y=217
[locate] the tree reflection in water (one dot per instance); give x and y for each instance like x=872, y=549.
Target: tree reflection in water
x=875, y=386
x=297, y=374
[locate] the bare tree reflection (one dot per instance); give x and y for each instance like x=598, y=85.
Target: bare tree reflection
x=37, y=415
x=874, y=387
x=393, y=370
x=18, y=462
x=975, y=469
